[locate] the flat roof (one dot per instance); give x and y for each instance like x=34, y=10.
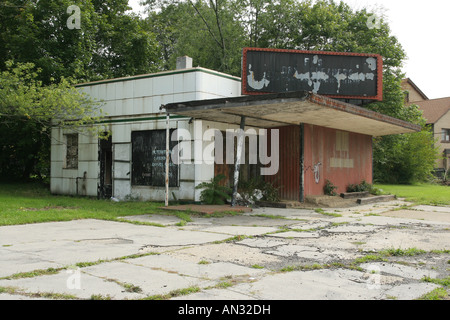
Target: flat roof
x=158, y=74
x=292, y=108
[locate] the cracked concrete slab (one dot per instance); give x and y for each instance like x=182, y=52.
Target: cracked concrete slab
x=352, y=229
x=73, y=283
x=226, y=252
x=400, y=270
x=295, y=234
x=312, y=285
x=204, y=253
x=239, y=230
x=150, y=281
x=261, y=243
x=202, y=269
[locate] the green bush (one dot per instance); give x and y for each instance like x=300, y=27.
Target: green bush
x=329, y=188
x=268, y=190
x=362, y=187
x=213, y=192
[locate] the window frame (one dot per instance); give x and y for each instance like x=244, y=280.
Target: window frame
x=71, y=157
x=445, y=135
x=146, y=167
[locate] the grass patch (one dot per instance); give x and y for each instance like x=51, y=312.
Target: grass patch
x=321, y=211
x=402, y=252
x=174, y=293
x=429, y=194
x=436, y=294
x=23, y=203
x=314, y=266
x=32, y=274
x=442, y=282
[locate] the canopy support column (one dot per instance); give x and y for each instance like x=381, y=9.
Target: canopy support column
x=240, y=143
x=167, y=157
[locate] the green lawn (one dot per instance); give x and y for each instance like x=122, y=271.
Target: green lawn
x=431, y=194
x=32, y=203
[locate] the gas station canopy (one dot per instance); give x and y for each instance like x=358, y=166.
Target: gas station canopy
x=292, y=108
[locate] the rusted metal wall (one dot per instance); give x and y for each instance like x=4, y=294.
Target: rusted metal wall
x=288, y=176
x=341, y=157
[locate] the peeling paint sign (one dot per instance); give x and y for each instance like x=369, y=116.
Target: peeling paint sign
x=333, y=74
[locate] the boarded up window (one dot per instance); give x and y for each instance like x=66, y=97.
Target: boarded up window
x=149, y=159
x=71, y=151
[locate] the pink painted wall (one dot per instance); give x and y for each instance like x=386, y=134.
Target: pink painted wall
x=345, y=157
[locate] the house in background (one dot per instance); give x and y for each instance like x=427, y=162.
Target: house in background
x=412, y=92
x=437, y=114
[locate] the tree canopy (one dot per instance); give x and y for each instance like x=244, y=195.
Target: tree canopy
x=28, y=110
x=110, y=42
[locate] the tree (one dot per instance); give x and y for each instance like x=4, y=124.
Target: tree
x=28, y=110
x=111, y=42
x=205, y=30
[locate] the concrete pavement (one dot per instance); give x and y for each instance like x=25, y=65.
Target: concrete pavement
x=266, y=254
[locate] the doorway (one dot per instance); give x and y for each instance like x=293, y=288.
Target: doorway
x=105, y=159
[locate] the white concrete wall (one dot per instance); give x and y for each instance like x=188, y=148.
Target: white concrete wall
x=126, y=104
x=63, y=180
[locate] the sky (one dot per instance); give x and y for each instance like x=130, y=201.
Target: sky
x=422, y=28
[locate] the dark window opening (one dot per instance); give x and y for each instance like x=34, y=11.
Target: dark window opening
x=149, y=159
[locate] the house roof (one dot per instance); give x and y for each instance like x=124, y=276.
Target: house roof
x=415, y=87
x=292, y=108
x=434, y=109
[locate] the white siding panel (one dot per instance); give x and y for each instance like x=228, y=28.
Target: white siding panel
x=148, y=106
x=87, y=152
x=56, y=185
x=189, y=82
x=122, y=152
x=121, y=133
x=163, y=85
x=128, y=89
x=143, y=88
x=110, y=91
x=119, y=90
x=138, y=107
x=187, y=191
x=57, y=152
x=122, y=189
x=122, y=170
x=102, y=95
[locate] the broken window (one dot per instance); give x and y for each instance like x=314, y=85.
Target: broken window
x=149, y=159
x=71, y=141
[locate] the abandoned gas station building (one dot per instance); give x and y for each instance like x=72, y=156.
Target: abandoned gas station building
x=319, y=136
